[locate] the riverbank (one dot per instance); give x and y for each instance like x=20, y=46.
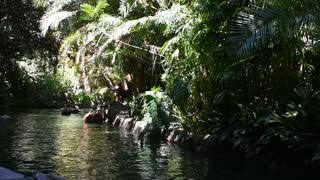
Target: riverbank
x=286, y=162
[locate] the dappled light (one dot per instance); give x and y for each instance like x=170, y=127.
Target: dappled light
x=239, y=79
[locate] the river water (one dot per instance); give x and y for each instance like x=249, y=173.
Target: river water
x=44, y=141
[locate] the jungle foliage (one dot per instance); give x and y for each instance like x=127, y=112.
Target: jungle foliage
x=27, y=60
x=153, y=108
x=245, y=71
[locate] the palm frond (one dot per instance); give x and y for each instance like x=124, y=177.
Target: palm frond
x=115, y=28
x=55, y=14
x=252, y=29
x=41, y=3
x=118, y=32
x=53, y=20
x=107, y=21
x=255, y=25
x=169, y=43
x=127, y=6
x=167, y=17
x=127, y=27
x=50, y=3
x=175, y=14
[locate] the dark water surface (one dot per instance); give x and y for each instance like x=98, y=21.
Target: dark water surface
x=44, y=141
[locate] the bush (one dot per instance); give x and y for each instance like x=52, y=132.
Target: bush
x=154, y=108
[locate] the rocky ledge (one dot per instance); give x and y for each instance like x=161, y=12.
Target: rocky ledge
x=173, y=134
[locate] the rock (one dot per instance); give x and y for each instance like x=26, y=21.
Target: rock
x=6, y=174
x=93, y=117
x=142, y=129
x=116, y=122
x=194, y=141
x=171, y=136
x=113, y=108
x=120, y=119
x=138, y=127
x=69, y=110
x=65, y=111
x=153, y=133
x=207, y=142
x=128, y=123
x=176, y=135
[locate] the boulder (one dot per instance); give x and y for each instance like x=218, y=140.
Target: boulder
x=116, y=122
x=70, y=110
x=120, y=119
x=154, y=133
x=128, y=123
x=113, y=108
x=138, y=127
x=93, y=117
x=176, y=135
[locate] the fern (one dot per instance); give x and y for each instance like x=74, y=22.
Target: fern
x=91, y=13
x=100, y=7
x=87, y=12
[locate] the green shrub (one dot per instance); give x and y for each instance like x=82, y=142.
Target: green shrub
x=154, y=108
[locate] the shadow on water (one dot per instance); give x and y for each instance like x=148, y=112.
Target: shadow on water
x=43, y=140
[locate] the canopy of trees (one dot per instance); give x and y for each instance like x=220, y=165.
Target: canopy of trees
x=28, y=61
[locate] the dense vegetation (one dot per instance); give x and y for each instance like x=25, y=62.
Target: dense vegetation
x=245, y=71
x=28, y=61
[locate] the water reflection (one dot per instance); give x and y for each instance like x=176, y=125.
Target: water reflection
x=48, y=142
x=31, y=143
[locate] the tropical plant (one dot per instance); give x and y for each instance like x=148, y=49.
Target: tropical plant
x=154, y=108
x=258, y=23
x=243, y=70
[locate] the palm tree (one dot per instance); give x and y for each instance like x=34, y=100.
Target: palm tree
x=256, y=25
x=78, y=24
x=93, y=33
